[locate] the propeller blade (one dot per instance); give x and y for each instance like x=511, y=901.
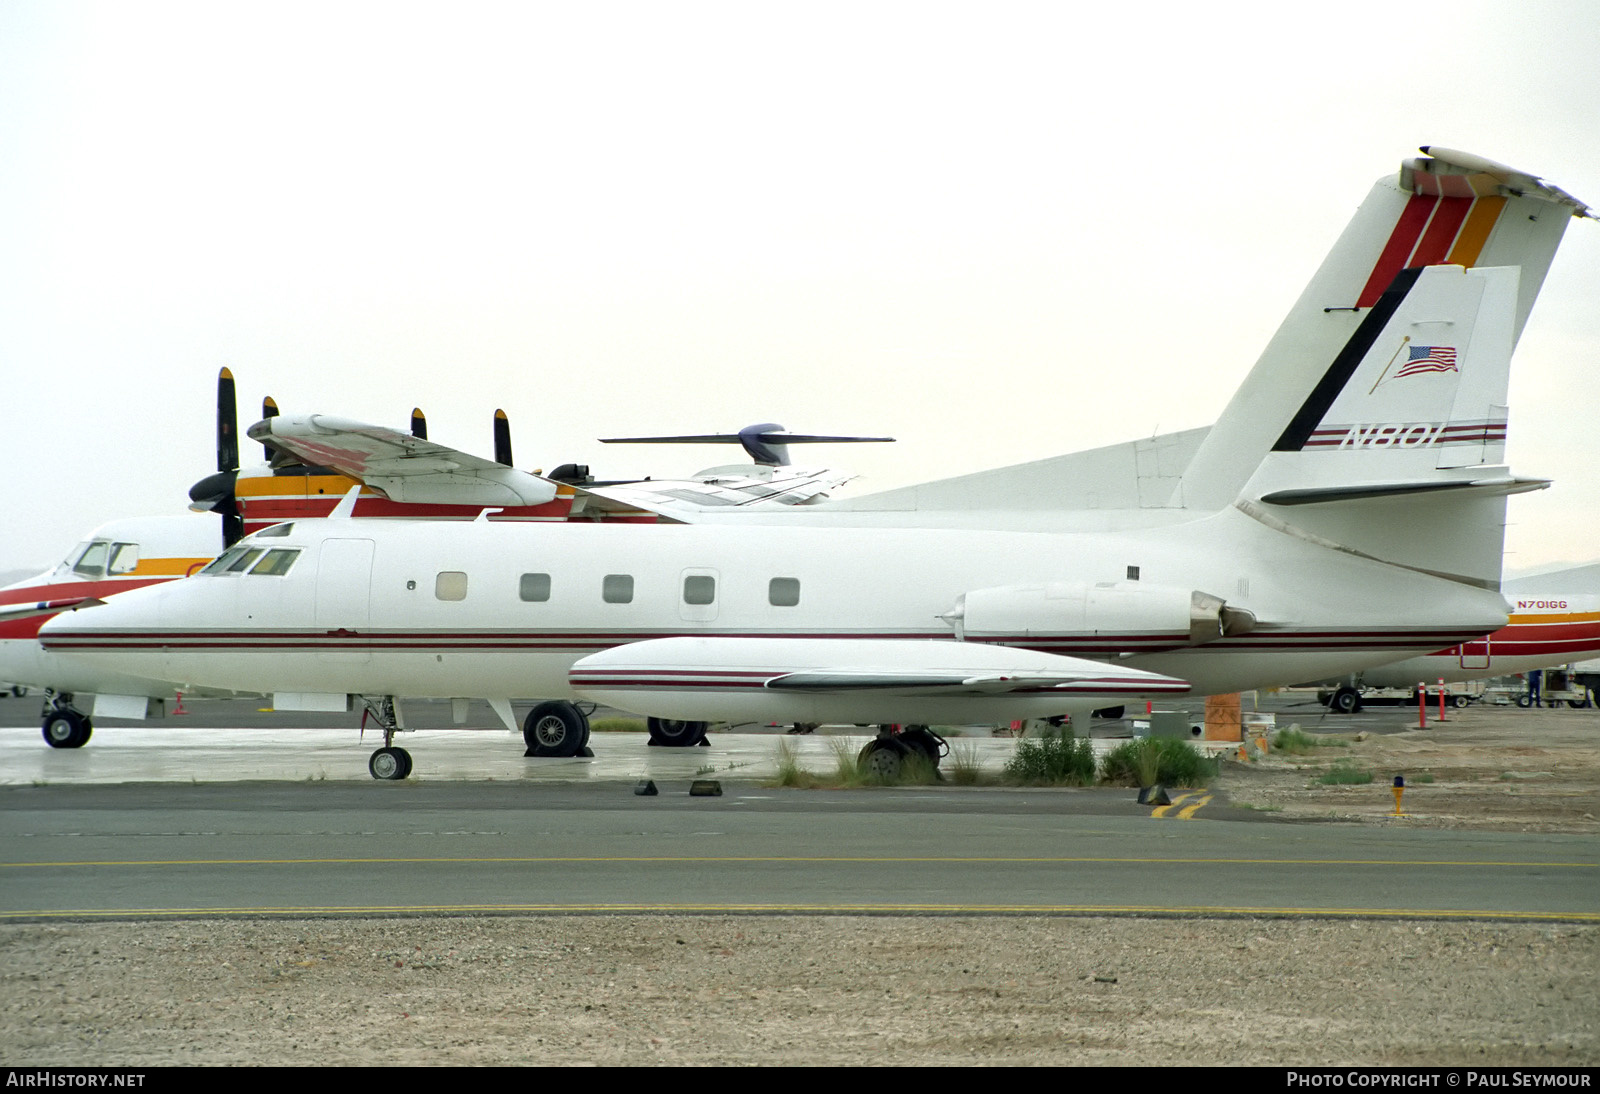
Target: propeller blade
x=227, y=424
x=269, y=409
x=502, y=438
x=419, y=424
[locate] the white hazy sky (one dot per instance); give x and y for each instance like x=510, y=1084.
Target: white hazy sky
x=997, y=231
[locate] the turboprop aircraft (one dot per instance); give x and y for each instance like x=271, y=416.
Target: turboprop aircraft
x=1555, y=620
x=116, y=557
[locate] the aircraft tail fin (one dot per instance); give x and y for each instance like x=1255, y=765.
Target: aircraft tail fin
x=1446, y=208
x=1397, y=451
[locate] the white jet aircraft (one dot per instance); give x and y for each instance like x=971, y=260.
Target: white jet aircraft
x=1371, y=401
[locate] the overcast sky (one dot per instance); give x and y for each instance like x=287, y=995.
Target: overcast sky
x=996, y=231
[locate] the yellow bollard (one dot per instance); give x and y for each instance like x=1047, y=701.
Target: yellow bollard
x=1399, y=789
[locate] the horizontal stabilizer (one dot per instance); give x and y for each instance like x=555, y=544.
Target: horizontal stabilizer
x=1485, y=487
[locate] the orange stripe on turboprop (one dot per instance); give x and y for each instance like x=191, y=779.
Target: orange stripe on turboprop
x=1413, y=218
x=167, y=567
x=1442, y=230
x=1475, y=233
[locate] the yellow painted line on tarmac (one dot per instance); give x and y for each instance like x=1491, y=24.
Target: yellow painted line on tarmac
x=1188, y=812
x=1193, y=911
x=738, y=859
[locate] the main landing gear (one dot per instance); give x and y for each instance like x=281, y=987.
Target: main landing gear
x=672, y=733
x=388, y=763
x=65, y=726
x=556, y=728
x=886, y=755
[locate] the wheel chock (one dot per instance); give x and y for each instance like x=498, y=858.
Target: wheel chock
x=645, y=788
x=1154, y=795
x=705, y=788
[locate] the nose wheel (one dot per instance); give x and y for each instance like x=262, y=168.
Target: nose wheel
x=390, y=764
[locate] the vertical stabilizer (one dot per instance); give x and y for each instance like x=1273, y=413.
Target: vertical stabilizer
x=1445, y=209
x=1397, y=452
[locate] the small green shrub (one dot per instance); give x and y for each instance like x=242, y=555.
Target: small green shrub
x=1058, y=759
x=1177, y=763
x=1296, y=740
x=962, y=765
x=1343, y=774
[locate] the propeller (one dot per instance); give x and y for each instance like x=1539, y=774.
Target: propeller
x=764, y=443
x=502, y=438
x=215, y=492
x=419, y=424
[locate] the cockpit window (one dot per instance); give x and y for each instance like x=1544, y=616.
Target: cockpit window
x=242, y=563
x=277, y=531
x=124, y=558
x=277, y=562
x=92, y=563
x=224, y=562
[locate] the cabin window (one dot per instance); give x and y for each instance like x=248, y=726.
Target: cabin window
x=92, y=563
x=124, y=558
x=783, y=592
x=617, y=589
x=534, y=588
x=242, y=563
x=699, y=589
x=277, y=562
x=450, y=585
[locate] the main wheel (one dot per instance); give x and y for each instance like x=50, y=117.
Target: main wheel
x=1459, y=701
x=66, y=728
x=1346, y=701
x=390, y=764
x=555, y=729
x=925, y=741
x=673, y=733
x=883, y=758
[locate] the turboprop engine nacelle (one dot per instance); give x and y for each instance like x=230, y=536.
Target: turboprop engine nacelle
x=1163, y=615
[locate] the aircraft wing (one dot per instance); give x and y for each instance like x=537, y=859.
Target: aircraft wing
x=404, y=467
x=723, y=488
x=846, y=679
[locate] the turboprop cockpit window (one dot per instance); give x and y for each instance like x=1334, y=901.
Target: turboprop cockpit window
x=277, y=562
x=124, y=558
x=92, y=563
x=277, y=531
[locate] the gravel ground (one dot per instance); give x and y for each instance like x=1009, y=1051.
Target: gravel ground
x=796, y=990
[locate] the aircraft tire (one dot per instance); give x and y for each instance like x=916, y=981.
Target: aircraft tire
x=921, y=739
x=67, y=728
x=883, y=758
x=18, y=691
x=390, y=764
x=674, y=733
x=555, y=729
x=1345, y=701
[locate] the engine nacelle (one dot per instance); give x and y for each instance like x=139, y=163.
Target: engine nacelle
x=1150, y=617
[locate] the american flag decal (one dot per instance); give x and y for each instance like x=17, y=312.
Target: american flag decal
x=1428, y=359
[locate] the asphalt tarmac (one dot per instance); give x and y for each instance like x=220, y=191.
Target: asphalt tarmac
x=181, y=818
